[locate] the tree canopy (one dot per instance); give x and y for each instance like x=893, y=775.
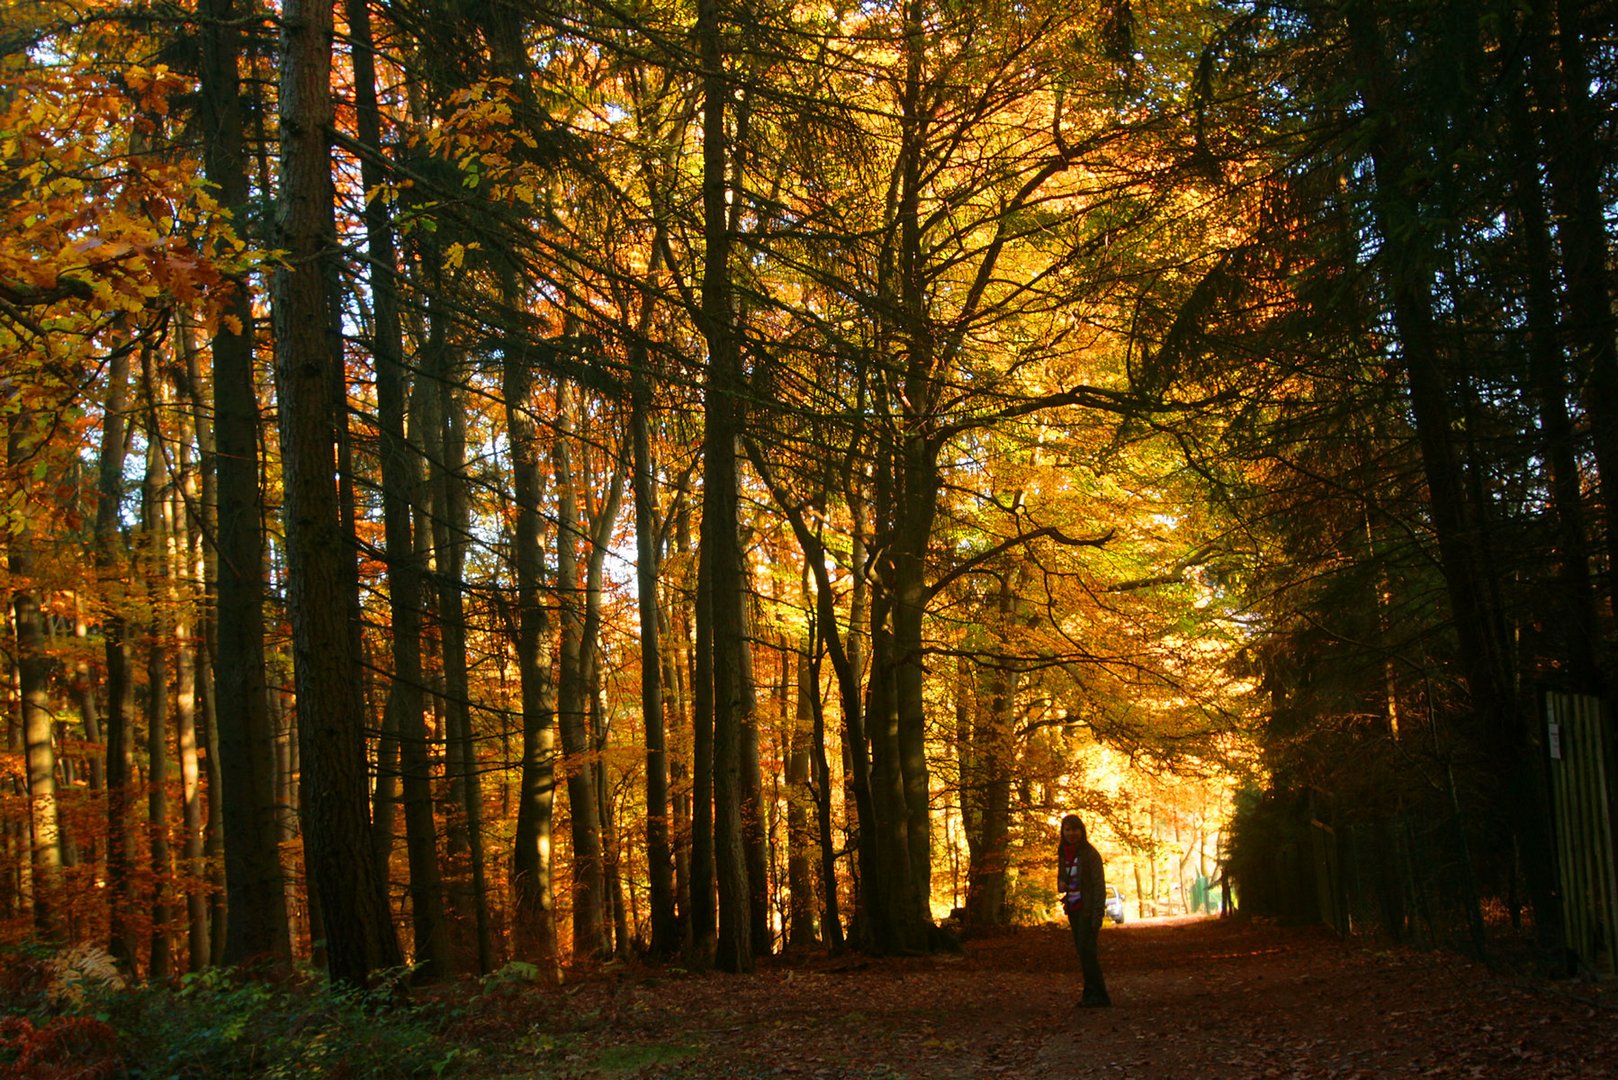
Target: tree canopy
x=539, y=482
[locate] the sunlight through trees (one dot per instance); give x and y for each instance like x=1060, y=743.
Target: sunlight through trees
x=543, y=483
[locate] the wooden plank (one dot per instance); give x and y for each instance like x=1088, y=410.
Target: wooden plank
x=1582, y=806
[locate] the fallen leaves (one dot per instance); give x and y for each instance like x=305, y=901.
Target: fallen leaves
x=1192, y=997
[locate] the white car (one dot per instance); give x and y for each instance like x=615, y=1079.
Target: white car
x=1115, y=906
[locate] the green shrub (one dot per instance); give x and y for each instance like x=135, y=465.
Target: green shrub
x=217, y=1024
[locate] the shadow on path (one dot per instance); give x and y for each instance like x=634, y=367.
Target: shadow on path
x=1216, y=998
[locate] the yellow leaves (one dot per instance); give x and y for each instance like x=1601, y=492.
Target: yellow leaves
x=152, y=87
x=115, y=223
x=478, y=134
x=455, y=254
x=110, y=249
x=386, y=193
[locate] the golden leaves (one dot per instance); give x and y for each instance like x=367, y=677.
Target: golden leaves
x=103, y=223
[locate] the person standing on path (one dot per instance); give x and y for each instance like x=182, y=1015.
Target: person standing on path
x=1081, y=882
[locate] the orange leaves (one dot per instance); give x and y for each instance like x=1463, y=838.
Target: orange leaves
x=476, y=137
x=152, y=87
x=66, y=1046
x=103, y=226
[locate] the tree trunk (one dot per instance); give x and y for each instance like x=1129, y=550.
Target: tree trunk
x=755, y=831
x=33, y=667
x=359, y=933
x=989, y=785
x=722, y=606
x=572, y=697
x=110, y=558
x=1407, y=258
x=204, y=508
x=84, y=694
x=600, y=537
x=406, y=574
x=1574, y=163
x=156, y=573
x=801, y=931
x=534, y=928
x=659, y=855
x=987, y=876
x=198, y=945
x=679, y=676
x=1559, y=445
x=447, y=448
x=255, y=882
x=612, y=860
x=704, y=909
x=915, y=502
x=919, y=500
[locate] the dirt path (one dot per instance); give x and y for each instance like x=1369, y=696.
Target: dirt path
x=1193, y=998
x=1224, y=999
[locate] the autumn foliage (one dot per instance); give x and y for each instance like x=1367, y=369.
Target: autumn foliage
x=509, y=488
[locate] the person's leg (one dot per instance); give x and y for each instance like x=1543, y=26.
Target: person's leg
x=1095, y=986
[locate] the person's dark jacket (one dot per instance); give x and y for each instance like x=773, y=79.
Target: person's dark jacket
x=1090, y=882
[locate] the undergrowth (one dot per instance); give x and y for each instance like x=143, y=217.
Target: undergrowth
x=218, y=1023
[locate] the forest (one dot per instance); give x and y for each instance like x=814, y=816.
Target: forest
x=499, y=485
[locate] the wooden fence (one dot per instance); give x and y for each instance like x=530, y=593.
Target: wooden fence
x=1580, y=768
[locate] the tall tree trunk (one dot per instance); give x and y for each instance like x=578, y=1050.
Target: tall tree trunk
x=1549, y=378
x=721, y=603
x=386, y=792
x=659, y=854
x=406, y=575
x=1574, y=160
x=679, y=675
x=704, y=907
x=909, y=675
x=988, y=784
x=916, y=498
x=572, y=696
x=359, y=932
x=33, y=667
x=188, y=592
x=204, y=508
x=611, y=849
x=255, y=882
x=450, y=538
x=755, y=829
x=600, y=536
x=110, y=558
x=1407, y=259
x=533, y=898
x=188, y=554
x=888, y=890
x=303, y=904
x=800, y=797
x=161, y=963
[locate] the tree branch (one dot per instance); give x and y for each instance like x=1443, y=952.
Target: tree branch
x=1020, y=539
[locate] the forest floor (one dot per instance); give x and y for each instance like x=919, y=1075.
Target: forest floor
x=1193, y=997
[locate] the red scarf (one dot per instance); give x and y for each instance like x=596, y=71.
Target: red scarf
x=1070, y=863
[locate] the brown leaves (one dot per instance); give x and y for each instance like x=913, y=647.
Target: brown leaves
x=1193, y=997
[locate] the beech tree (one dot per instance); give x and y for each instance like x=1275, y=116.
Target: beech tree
x=1070, y=399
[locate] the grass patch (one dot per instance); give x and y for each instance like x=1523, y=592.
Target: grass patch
x=629, y=1060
